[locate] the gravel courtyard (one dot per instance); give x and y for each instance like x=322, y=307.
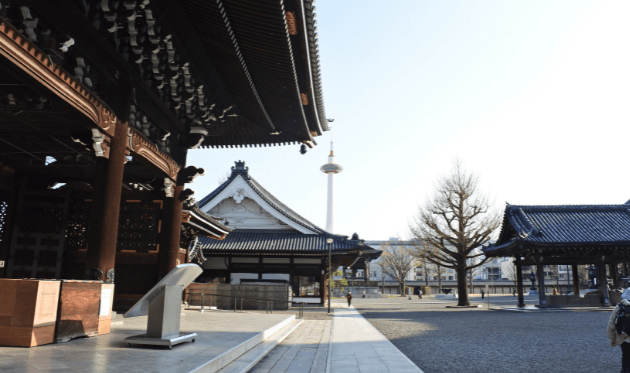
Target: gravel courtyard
x=443, y=340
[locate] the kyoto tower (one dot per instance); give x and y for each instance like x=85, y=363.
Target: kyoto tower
x=331, y=168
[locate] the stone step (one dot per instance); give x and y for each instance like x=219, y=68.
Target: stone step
x=222, y=361
x=305, y=350
x=248, y=360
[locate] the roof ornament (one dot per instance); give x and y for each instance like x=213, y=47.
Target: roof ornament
x=189, y=173
x=186, y=194
x=240, y=169
x=239, y=195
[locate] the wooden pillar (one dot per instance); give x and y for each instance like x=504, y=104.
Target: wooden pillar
x=519, y=284
x=603, y=284
x=542, y=297
x=324, y=286
x=105, y=209
x=576, y=279
x=171, y=230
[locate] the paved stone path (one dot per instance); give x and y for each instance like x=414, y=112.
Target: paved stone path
x=304, y=350
x=357, y=347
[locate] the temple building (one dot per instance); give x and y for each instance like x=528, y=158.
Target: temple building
x=270, y=242
x=566, y=235
x=100, y=102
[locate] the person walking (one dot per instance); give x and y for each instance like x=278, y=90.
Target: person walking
x=514, y=292
x=420, y=293
x=349, y=298
x=482, y=293
x=620, y=339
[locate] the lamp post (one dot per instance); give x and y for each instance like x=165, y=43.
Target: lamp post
x=568, y=280
x=532, y=278
x=592, y=274
x=329, y=241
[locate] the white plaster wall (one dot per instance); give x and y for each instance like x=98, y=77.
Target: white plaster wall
x=246, y=215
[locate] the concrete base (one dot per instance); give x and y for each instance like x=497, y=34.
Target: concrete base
x=143, y=339
x=533, y=292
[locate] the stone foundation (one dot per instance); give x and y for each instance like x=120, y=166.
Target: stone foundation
x=589, y=300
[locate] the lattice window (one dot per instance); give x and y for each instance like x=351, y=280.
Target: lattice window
x=3, y=217
x=78, y=220
x=138, y=227
x=42, y=220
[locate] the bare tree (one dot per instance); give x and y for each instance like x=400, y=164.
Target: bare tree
x=421, y=253
x=396, y=261
x=583, y=276
x=554, y=272
x=455, y=222
x=425, y=266
x=472, y=272
x=439, y=270
x=511, y=273
x=225, y=177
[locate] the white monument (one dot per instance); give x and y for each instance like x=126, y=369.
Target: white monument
x=331, y=168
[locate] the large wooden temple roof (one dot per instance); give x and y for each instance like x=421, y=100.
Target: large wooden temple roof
x=573, y=227
x=266, y=55
x=224, y=73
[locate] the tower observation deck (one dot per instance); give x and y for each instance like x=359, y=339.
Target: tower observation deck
x=330, y=168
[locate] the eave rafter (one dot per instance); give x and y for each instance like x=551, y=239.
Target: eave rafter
x=17, y=49
x=237, y=49
x=23, y=54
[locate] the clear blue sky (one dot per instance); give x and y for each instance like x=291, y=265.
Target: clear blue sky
x=533, y=96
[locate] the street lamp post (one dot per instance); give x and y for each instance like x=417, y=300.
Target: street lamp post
x=532, y=278
x=568, y=280
x=592, y=274
x=329, y=241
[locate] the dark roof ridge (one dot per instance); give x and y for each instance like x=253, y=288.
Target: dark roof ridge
x=239, y=168
x=530, y=208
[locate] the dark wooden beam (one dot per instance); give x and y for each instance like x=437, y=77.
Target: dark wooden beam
x=68, y=19
x=542, y=297
x=519, y=283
